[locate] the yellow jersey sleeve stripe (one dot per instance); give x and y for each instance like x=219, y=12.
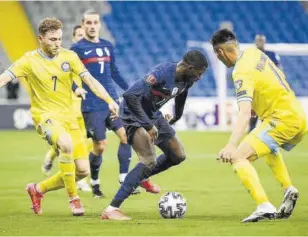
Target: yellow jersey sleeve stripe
x=244, y=98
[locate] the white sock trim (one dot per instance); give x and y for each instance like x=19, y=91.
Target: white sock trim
x=94, y=182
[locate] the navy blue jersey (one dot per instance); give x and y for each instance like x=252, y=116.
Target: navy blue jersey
x=143, y=99
x=100, y=61
x=274, y=57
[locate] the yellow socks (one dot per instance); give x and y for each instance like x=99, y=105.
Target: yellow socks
x=276, y=163
x=250, y=179
x=67, y=170
x=53, y=183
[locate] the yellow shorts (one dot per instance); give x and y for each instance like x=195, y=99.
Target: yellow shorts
x=50, y=129
x=269, y=136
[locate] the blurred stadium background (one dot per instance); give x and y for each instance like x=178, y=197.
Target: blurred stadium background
x=144, y=34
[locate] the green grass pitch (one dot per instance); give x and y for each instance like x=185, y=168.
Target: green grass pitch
x=216, y=199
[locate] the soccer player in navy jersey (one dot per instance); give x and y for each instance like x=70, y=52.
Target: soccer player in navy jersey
x=146, y=127
x=98, y=57
x=260, y=41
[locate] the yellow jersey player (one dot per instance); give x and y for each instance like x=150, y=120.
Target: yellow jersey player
x=262, y=87
x=78, y=34
x=49, y=73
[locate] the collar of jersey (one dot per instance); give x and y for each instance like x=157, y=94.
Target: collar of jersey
x=242, y=52
x=44, y=55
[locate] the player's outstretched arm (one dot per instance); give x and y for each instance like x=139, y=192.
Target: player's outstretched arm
x=241, y=122
x=100, y=92
x=179, y=106
x=5, y=78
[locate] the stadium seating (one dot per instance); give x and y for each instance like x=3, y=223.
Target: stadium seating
x=147, y=33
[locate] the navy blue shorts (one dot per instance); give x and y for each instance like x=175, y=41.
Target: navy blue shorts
x=165, y=131
x=97, y=122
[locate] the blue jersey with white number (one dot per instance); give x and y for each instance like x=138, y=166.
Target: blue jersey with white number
x=99, y=59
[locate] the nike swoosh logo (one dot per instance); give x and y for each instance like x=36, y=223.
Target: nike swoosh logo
x=87, y=52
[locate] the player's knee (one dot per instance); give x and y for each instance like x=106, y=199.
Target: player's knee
x=80, y=174
x=122, y=135
x=179, y=158
x=149, y=163
x=100, y=147
x=65, y=143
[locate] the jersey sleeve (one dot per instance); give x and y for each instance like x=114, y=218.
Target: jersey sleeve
x=77, y=66
x=244, y=86
x=20, y=68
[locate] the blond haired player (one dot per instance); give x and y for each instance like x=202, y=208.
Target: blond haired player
x=262, y=87
x=78, y=34
x=49, y=73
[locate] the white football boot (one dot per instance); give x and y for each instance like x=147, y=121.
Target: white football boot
x=264, y=211
x=83, y=185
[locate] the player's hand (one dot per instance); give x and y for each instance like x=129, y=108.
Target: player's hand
x=227, y=153
x=168, y=117
x=114, y=110
x=80, y=92
x=153, y=132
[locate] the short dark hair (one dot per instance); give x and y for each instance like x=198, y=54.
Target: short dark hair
x=196, y=59
x=222, y=36
x=76, y=27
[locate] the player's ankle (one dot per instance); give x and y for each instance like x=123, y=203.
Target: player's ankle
x=111, y=208
x=122, y=177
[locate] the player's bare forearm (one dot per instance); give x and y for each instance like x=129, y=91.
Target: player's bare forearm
x=241, y=123
x=97, y=88
x=4, y=79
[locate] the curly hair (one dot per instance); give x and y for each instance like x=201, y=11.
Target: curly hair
x=49, y=24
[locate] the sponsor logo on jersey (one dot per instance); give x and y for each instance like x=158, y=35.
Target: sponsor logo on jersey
x=87, y=52
x=66, y=67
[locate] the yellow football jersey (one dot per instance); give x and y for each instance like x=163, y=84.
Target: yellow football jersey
x=77, y=100
x=257, y=79
x=49, y=80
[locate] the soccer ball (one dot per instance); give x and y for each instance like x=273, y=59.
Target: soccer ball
x=172, y=205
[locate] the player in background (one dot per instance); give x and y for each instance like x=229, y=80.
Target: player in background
x=146, y=127
x=260, y=41
x=48, y=72
x=78, y=34
x=98, y=57
x=260, y=85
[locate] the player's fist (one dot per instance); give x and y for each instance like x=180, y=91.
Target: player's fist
x=80, y=92
x=153, y=132
x=114, y=110
x=168, y=117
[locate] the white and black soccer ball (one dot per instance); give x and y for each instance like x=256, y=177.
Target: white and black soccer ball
x=172, y=205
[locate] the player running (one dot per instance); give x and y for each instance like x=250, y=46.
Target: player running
x=261, y=86
x=98, y=57
x=146, y=127
x=48, y=72
x=78, y=34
